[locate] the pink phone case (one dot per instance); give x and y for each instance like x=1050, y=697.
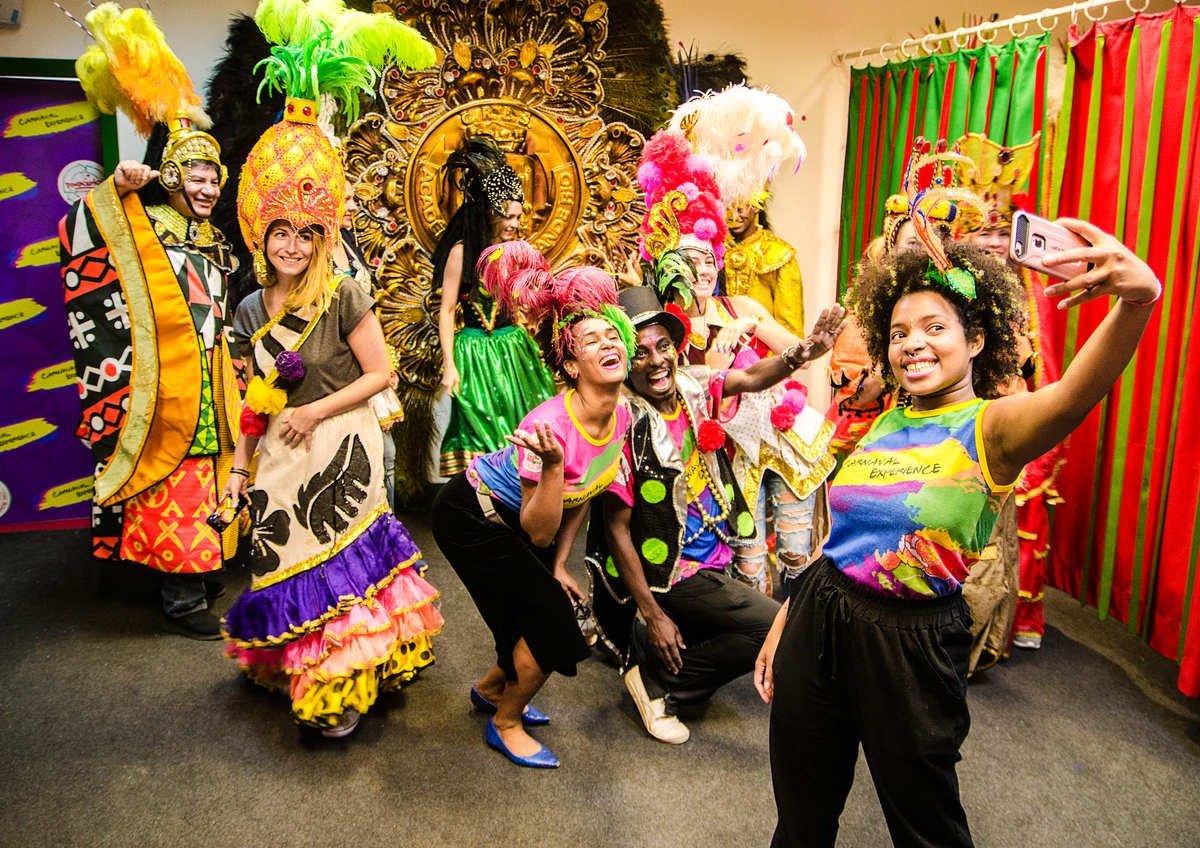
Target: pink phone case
x=1034, y=238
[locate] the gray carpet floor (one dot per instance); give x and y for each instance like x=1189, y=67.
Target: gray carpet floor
x=117, y=734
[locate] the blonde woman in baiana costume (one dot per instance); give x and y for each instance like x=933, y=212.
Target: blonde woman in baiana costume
x=337, y=610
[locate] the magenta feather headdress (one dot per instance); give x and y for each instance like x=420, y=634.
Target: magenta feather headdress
x=500, y=265
x=682, y=198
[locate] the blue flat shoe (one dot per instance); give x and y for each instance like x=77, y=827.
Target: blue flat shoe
x=532, y=717
x=544, y=758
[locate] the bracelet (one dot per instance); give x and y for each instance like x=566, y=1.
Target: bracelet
x=241, y=472
x=1149, y=302
x=791, y=355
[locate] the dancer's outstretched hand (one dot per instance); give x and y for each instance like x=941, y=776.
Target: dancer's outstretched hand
x=1115, y=270
x=541, y=441
x=829, y=326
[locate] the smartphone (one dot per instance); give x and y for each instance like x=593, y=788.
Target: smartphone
x=1034, y=238
x=226, y=513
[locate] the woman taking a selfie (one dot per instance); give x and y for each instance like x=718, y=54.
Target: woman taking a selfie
x=872, y=646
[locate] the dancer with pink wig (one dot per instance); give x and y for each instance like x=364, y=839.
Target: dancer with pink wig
x=507, y=523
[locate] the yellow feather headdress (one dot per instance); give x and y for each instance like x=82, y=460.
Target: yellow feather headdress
x=132, y=68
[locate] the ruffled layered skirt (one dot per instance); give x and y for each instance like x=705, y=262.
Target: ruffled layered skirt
x=337, y=610
x=501, y=378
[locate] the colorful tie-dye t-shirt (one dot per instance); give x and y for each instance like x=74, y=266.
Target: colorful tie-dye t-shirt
x=914, y=505
x=589, y=465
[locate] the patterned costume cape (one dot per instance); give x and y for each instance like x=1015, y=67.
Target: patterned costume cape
x=145, y=297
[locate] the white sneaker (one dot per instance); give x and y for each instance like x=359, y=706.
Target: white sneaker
x=663, y=727
x=1028, y=642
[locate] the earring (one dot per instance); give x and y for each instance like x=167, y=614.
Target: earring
x=260, y=268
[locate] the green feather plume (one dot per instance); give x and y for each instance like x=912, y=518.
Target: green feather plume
x=624, y=327
x=321, y=47
x=675, y=277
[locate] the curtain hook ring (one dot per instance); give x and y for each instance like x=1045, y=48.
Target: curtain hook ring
x=1047, y=27
x=954, y=34
x=904, y=45
x=1137, y=10
x=1087, y=12
x=989, y=27
x=1012, y=29
x=925, y=43
x=884, y=50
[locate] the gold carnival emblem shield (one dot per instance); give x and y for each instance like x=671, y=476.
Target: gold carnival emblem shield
x=551, y=173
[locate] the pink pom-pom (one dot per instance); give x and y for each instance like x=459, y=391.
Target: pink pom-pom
x=705, y=228
x=649, y=176
x=698, y=164
x=690, y=190
x=794, y=399
x=783, y=417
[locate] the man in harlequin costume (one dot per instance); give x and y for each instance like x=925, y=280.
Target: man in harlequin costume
x=998, y=178
x=145, y=294
x=659, y=544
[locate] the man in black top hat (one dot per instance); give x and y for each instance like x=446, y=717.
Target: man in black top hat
x=661, y=547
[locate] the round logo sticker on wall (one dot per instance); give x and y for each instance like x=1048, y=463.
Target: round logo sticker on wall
x=78, y=178
x=5, y=499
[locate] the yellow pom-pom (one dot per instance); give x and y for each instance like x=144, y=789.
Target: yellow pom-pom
x=897, y=204
x=265, y=398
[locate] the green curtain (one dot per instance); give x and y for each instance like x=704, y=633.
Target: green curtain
x=994, y=89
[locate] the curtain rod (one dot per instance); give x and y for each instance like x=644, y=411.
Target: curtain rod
x=988, y=30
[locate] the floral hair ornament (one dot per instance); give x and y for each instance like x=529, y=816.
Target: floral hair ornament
x=682, y=198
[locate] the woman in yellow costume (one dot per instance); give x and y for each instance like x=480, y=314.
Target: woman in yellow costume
x=337, y=609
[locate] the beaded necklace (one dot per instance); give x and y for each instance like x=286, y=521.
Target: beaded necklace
x=716, y=522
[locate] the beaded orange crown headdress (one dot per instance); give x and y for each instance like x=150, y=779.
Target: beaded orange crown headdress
x=322, y=50
x=997, y=174
x=131, y=68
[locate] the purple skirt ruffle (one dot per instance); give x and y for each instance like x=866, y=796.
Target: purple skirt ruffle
x=290, y=607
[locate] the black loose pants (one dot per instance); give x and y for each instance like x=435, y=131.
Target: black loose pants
x=854, y=667
x=722, y=621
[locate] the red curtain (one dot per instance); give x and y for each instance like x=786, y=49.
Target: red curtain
x=1128, y=535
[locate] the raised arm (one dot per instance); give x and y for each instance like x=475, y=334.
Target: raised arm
x=1019, y=428
x=541, y=502
x=767, y=372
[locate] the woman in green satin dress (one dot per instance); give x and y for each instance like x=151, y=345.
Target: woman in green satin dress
x=490, y=366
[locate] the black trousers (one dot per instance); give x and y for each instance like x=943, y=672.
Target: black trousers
x=723, y=623
x=510, y=580
x=854, y=667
